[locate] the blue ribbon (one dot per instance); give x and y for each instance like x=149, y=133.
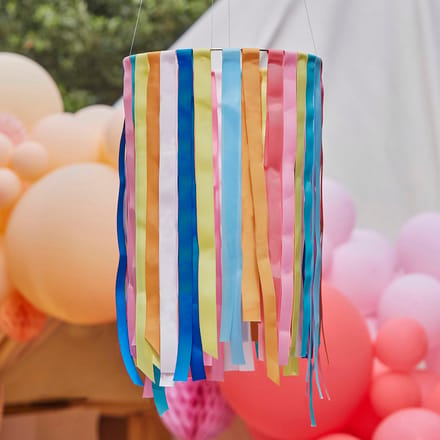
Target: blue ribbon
x=231, y=218
x=121, y=307
x=308, y=199
x=159, y=396
x=190, y=346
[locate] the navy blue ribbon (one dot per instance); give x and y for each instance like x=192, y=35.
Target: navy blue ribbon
x=189, y=352
x=121, y=307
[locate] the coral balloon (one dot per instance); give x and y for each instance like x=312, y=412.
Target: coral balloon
x=197, y=410
x=282, y=412
x=30, y=160
x=432, y=401
x=19, y=319
x=401, y=344
x=67, y=139
x=364, y=421
x=433, y=360
x=61, y=244
x=12, y=128
x=418, y=244
x=426, y=381
x=409, y=424
x=10, y=187
x=414, y=296
x=339, y=437
x=5, y=285
x=391, y=392
x=112, y=136
x=339, y=211
x=27, y=90
x=361, y=272
x=6, y=147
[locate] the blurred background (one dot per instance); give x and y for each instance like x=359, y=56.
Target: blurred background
x=60, y=122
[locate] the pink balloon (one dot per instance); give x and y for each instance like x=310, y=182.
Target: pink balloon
x=433, y=360
x=327, y=257
x=401, y=344
x=414, y=296
x=339, y=211
x=433, y=400
x=409, y=424
x=361, y=272
x=418, y=244
x=426, y=381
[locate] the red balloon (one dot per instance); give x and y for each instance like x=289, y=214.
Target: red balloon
x=282, y=412
x=364, y=420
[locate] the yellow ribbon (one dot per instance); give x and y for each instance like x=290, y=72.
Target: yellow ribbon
x=144, y=358
x=205, y=200
x=301, y=82
x=152, y=329
x=253, y=107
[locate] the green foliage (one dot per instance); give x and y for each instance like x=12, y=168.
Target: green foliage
x=82, y=42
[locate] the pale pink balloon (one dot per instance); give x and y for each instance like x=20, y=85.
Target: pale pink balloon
x=30, y=160
x=401, y=344
x=339, y=212
x=376, y=240
x=418, y=244
x=361, y=272
x=327, y=257
x=67, y=140
x=6, y=147
x=341, y=436
x=409, y=424
x=414, y=296
x=373, y=327
x=27, y=91
x=10, y=187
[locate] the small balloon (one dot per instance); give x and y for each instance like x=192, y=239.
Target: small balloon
x=426, y=381
x=10, y=187
x=27, y=90
x=11, y=127
x=339, y=211
x=66, y=139
x=30, y=160
x=418, y=244
x=415, y=296
x=6, y=147
x=392, y=392
x=401, y=344
x=409, y=424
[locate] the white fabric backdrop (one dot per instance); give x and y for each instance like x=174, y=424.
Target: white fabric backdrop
x=381, y=63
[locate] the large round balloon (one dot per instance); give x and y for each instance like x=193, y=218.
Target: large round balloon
x=61, y=243
x=67, y=139
x=282, y=412
x=27, y=91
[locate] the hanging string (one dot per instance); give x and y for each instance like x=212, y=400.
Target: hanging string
x=136, y=25
x=310, y=25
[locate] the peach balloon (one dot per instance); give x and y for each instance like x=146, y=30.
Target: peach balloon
x=10, y=187
x=67, y=139
x=401, y=344
x=27, y=91
x=6, y=147
x=95, y=115
x=30, y=160
x=5, y=285
x=112, y=136
x=391, y=392
x=61, y=247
